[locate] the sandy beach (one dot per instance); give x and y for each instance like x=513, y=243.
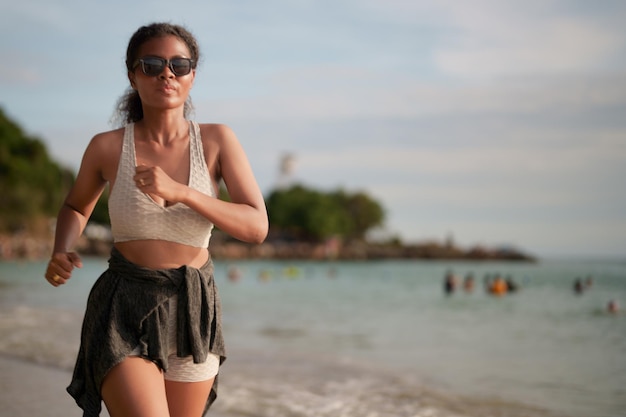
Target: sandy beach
x=28, y=390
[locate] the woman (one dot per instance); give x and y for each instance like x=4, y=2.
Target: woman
x=151, y=341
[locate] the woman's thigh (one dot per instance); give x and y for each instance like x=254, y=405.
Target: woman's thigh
x=187, y=399
x=135, y=388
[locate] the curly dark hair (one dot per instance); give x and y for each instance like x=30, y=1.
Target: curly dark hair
x=129, y=108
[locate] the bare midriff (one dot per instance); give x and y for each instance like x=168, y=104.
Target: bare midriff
x=161, y=254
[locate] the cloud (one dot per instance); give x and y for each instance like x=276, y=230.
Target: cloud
x=485, y=39
x=342, y=93
x=52, y=15
x=10, y=74
x=553, y=48
x=518, y=39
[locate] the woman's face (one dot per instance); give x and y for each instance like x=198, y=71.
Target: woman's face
x=165, y=90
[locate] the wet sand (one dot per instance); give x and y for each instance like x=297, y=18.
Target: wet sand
x=29, y=390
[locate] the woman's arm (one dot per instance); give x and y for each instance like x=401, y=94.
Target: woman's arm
x=75, y=212
x=245, y=216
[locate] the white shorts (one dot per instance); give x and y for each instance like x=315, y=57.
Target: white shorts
x=184, y=369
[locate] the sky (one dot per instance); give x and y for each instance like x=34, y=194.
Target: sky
x=494, y=123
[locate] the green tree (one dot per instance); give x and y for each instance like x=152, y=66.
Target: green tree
x=313, y=215
x=363, y=212
x=32, y=185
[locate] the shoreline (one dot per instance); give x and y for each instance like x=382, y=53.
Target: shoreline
x=29, y=389
x=23, y=246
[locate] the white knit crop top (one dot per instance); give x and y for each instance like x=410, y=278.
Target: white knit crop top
x=136, y=216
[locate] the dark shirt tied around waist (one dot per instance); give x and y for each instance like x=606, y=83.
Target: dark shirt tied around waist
x=128, y=307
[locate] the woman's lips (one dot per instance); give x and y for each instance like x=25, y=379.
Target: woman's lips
x=167, y=89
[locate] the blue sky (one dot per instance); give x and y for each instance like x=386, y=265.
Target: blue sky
x=495, y=122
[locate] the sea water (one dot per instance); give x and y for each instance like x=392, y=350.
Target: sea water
x=382, y=338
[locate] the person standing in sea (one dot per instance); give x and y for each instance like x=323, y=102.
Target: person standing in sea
x=151, y=341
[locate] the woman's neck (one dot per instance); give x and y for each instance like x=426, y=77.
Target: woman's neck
x=163, y=127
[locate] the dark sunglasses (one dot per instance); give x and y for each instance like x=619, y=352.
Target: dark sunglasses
x=153, y=65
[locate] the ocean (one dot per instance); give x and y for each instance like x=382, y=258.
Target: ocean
x=377, y=338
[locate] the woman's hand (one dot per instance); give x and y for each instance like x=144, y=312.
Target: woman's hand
x=154, y=181
x=60, y=267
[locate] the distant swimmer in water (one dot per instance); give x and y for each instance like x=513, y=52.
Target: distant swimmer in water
x=449, y=283
x=234, y=274
x=612, y=307
x=511, y=285
x=578, y=286
x=498, y=286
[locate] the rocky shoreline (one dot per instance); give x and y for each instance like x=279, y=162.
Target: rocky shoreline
x=24, y=246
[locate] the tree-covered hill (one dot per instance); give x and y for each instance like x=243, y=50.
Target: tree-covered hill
x=32, y=185
x=311, y=215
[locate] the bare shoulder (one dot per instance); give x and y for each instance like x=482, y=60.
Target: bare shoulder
x=103, y=152
x=217, y=133
x=221, y=148
x=107, y=141
x=218, y=140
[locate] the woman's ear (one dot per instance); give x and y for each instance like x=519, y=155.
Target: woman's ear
x=131, y=78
